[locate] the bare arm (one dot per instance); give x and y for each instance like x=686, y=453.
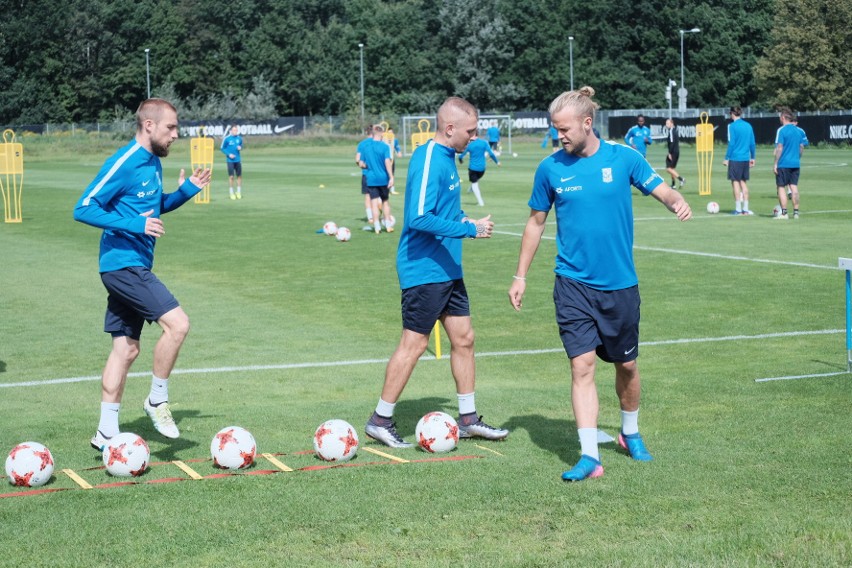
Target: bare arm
x=673, y=201
x=529, y=245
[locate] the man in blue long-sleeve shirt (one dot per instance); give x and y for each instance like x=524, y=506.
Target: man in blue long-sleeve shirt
x=126, y=200
x=429, y=267
x=739, y=158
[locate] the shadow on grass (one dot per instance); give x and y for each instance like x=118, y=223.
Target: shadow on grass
x=171, y=448
x=409, y=412
x=557, y=436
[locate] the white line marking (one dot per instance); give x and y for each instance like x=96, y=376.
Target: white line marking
x=794, y=377
x=321, y=364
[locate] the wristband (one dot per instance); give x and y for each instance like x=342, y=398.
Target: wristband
x=523, y=278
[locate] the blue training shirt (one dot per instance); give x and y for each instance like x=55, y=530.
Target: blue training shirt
x=639, y=136
x=231, y=145
x=594, y=212
x=493, y=134
x=740, y=141
x=430, y=245
x=129, y=184
x=374, y=154
x=478, y=149
x=790, y=138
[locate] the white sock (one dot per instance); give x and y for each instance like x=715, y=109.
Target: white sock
x=589, y=442
x=108, y=424
x=159, y=390
x=475, y=188
x=239, y=189
x=385, y=408
x=739, y=204
x=231, y=189
x=629, y=422
x=745, y=205
x=369, y=215
x=467, y=404
x=377, y=225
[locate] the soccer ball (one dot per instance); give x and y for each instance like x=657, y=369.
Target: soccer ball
x=29, y=465
x=126, y=455
x=437, y=432
x=389, y=223
x=233, y=448
x=712, y=207
x=335, y=440
x=776, y=211
x=343, y=234
x=514, y=154
x=330, y=228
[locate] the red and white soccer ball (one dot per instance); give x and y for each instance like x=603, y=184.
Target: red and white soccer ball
x=29, y=465
x=437, y=432
x=343, y=234
x=776, y=211
x=233, y=448
x=330, y=228
x=335, y=440
x=712, y=207
x=126, y=455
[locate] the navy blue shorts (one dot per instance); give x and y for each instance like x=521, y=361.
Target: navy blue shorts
x=135, y=296
x=604, y=321
x=235, y=168
x=364, y=189
x=423, y=305
x=379, y=192
x=474, y=176
x=787, y=176
x=738, y=171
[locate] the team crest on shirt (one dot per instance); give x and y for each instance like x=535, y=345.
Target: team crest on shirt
x=606, y=173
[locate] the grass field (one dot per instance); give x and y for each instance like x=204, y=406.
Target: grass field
x=291, y=328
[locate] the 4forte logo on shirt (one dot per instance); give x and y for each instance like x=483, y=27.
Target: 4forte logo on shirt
x=569, y=188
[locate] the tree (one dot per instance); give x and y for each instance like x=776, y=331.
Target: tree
x=806, y=66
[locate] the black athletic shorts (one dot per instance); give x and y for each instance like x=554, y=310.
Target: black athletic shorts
x=672, y=163
x=787, y=176
x=738, y=171
x=136, y=295
x=474, y=176
x=604, y=321
x=423, y=305
x=378, y=192
x=235, y=168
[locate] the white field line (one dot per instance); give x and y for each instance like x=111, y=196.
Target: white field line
x=794, y=377
x=321, y=364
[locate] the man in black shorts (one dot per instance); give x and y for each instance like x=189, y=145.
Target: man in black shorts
x=674, y=154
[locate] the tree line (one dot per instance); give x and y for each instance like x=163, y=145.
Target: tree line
x=85, y=60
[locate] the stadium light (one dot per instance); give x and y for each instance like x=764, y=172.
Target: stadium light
x=148, y=71
x=681, y=92
x=361, y=50
x=571, y=58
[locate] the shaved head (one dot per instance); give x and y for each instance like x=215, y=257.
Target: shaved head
x=152, y=109
x=453, y=109
x=457, y=123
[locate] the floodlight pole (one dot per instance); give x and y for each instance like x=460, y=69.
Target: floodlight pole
x=361, y=51
x=681, y=92
x=148, y=70
x=571, y=58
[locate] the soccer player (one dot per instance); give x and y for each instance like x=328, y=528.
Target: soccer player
x=596, y=290
x=493, y=133
x=674, y=154
x=639, y=136
x=393, y=143
x=789, y=146
x=378, y=169
x=232, y=145
x=739, y=158
x=126, y=200
x=477, y=149
x=429, y=267
x=368, y=207
x=553, y=136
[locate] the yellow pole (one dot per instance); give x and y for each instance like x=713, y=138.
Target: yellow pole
x=437, y=340
x=704, y=151
x=11, y=177
x=201, y=156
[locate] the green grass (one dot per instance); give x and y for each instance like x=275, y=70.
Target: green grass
x=746, y=473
